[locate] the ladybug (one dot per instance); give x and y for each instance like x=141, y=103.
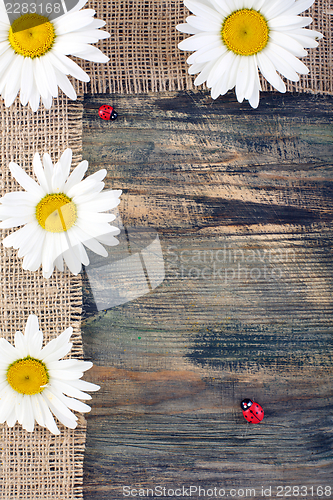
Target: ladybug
x=107, y=112
x=252, y=412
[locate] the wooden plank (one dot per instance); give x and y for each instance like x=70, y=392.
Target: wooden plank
x=241, y=201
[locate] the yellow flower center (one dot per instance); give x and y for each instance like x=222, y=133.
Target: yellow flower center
x=56, y=213
x=31, y=35
x=27, y=376
x=245, y=32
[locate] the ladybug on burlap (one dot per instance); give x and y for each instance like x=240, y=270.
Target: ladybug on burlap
x=107, y=112
x=252, y=411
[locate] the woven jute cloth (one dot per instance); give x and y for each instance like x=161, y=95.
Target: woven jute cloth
x=39, y=465
x=144, y=57
x=144, y=54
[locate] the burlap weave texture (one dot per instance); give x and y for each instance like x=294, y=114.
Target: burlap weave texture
x=144, y=54
x=39, y=465
x=144, y=57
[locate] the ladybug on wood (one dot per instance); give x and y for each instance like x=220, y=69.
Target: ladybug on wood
x=252, y=412
x=107, y=112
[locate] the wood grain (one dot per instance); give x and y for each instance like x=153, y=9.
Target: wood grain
x=242, y=203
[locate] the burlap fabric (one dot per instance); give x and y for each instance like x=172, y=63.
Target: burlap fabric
x=39, y=465
x=144, y=57
x=144, y=54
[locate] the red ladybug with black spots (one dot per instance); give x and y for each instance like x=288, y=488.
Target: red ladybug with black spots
x=107, y=112
x=252, y=412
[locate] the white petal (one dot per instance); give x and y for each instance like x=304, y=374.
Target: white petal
x=39, y=173
x=76, y=176
x=11, y=418
x=86, y=185
x=202, y=77
x=202, y=10
x=60, y=410
x=28, y=421
x=48, y=254
x=49, y=76
x=73, y=263
x=267, y=69
x=242, y=78
x=8, y=351
x=196, y=68
x=220, y=67
x=59, y=263
x=70, y=364
x=213, y=53
x=15, y=221
x=186, y=28
x=222, y=7
x=83, y=385
x=289, y=22
x=33, y=260
x=65, y=85
x=305, y=41
x=47, y=101
x=7, y=401
x=71, y=67
x=89, y=53
x=109, y=239
x=48, y=170
x=95, y=246
x=40, y=77
x=33, y=336
x=232, y=74
x=71, y=391
x=274, y=9
x=20, y=407
x=66, y=161
x=20, y=344
x=283, y=67
x=95, y=216
x=79, y=20
x=25, y=181
x=37, y=410
x=58, y=179
x=13, y=81
x=34, y=98
x=287, y=42
x=19, y=198
x=58, y=345
x=81, y=253
x=203, y=24
x=254, y=99
x=198, y=41
x=48, y=418
x=299, y=6
x=295, y=63
x=76, y=405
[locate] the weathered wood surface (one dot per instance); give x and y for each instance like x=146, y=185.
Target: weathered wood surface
x=242, y=202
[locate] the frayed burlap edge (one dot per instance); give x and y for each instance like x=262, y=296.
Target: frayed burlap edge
x=39, y=465
x=144, y=54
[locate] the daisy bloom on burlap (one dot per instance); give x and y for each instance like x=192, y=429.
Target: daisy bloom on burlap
x=34, y=381
x=233, y=38
x=59, y=215
x=34, y=50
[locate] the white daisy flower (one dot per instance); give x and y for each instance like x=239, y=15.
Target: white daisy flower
x=34, y=50
x=34, y=381
x=58, y=214
x=233, y=38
